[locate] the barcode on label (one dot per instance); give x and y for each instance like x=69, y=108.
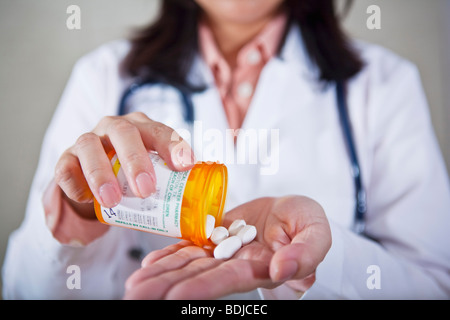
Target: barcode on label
x=137, y=218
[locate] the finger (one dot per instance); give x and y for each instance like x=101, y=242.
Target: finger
x=232, y=276
x=170, y=146
x=157, y=287
x=97, y=170
x=176, y=260
x=158, y=254
x=135, y=162
x=70, y=178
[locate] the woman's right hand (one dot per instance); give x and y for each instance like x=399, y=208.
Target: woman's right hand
x=84, y=170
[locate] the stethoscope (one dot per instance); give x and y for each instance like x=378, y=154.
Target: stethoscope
x=360, y=194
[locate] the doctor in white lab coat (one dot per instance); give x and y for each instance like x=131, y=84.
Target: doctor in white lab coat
x=402, y=254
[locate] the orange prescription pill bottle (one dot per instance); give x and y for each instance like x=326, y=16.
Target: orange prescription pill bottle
x=179, y=206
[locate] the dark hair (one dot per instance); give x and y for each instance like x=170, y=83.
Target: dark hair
x=165, y=50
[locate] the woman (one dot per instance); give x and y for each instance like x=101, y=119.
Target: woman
x=250, y=65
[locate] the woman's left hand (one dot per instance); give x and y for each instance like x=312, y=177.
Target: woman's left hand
x=293, y=238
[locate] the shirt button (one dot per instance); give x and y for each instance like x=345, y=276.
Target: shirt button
x=245, y=90
x=254, y=57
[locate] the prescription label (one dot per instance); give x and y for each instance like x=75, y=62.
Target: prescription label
x=159, y=213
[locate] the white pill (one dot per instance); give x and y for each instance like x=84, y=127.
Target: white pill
x=247, y=234
x=210, y=222
x=234, y=228
x=227, y=248
x=219, y=234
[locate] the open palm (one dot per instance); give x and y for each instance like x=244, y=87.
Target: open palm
x=293, y=238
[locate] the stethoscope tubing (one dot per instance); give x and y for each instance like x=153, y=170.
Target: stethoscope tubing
x=360, y=194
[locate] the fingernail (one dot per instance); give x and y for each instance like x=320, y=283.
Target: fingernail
x=185, y=157
x=109, y=195
x=286, y=270
x=146, y=184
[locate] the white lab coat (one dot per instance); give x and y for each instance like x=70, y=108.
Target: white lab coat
x=402, y=168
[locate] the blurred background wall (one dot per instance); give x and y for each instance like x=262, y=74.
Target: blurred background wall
x=37, y=53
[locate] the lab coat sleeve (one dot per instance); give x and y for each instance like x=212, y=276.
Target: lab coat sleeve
x=406, y=254
x=36, y=264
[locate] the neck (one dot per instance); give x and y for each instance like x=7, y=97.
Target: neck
x=231, y=37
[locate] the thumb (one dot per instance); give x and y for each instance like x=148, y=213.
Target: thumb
x=301, y=257
x=292, y=261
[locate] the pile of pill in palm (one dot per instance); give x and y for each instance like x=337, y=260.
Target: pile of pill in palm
x=229, y=241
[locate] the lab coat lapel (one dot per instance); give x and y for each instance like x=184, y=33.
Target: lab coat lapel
x=285, y=82
x=210, y=122
x=272, y=95
x=282, y=82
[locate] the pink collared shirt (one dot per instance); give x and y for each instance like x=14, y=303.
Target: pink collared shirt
x=236, y=88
